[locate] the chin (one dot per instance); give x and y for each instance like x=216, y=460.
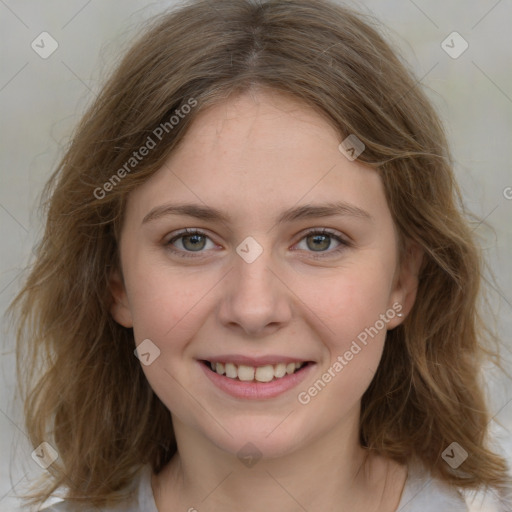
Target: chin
x=258, y=439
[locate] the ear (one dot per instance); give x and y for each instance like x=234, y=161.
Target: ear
x=405, y=286
x=120, y=308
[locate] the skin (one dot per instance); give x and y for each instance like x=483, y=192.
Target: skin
x=252, y=158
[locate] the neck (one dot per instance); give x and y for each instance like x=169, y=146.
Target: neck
x=331, y=473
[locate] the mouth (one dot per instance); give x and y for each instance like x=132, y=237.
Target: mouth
x=263, y=374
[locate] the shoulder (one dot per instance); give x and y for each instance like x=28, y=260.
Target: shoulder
x=423, y=493
x=66, y=506
x=141, y=498
x=62, y=506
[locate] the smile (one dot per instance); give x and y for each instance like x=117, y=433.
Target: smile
x=246, y=373
x=259, y=382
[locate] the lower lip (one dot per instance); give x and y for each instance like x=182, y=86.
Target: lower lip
x=257, y=390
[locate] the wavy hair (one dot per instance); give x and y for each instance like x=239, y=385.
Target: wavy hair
x=84, y=391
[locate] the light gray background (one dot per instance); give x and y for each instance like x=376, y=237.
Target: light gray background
x=42, y=99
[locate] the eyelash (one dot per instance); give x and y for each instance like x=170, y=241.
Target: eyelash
x=191, y=232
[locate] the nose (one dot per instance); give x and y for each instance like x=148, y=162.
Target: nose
x=256, y=300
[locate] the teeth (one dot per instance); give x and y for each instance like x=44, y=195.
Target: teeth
x=246, y=372
x=280, y=370
x=219, y=368
x=231, y=371
x=260, y=374
x=264, y=373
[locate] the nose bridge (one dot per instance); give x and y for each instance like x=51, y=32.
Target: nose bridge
x=254, y=299
x=253, y=280
x=252, y=265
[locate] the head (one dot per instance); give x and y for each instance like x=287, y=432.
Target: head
x=258, y=281
x=237, y=115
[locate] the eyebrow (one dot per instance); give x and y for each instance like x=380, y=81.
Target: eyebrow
x=307, y=211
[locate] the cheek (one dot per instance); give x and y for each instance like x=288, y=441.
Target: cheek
x=168, y=310
x=350, y=299
x=354, y=343
x=164, y=303
x=353, y=306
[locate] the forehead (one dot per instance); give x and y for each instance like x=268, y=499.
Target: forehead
x=253, y=118
x=256, y=155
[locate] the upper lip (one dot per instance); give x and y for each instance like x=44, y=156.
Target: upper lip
x=254, y=361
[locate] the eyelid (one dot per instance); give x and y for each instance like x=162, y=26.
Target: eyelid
x=183, y=233
x=326, y=231
x=343, y=240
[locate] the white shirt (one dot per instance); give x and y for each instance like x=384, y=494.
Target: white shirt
x=421, y=493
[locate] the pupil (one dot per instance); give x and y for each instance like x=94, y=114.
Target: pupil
x=321, y=242
x=196, y=244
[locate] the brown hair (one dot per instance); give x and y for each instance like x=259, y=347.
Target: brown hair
x=85, y=392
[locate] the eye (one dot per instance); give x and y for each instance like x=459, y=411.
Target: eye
x=320, y=241
x=190, y=241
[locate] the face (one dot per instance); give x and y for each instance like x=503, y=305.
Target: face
x=290, y=257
